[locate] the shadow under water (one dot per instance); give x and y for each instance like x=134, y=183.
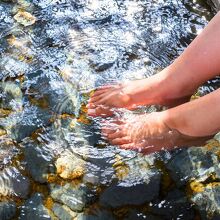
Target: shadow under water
x=53, y=162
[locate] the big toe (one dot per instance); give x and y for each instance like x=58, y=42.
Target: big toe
x=100, y=111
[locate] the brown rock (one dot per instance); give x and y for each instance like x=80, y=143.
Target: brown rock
x=25, y=18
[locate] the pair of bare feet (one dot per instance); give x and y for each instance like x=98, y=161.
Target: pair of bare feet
x=184, y=122
x=146, y=132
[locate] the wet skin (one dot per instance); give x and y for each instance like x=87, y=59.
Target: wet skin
x=172, y=87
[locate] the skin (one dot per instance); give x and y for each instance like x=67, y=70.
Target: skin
x=179, y=126
x=172, y=87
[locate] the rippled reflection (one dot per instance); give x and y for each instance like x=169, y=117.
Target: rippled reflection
x=53, y=54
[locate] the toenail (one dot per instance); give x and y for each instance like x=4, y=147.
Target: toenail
x=91, y=111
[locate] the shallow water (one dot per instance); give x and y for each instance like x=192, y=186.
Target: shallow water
x=53, y=161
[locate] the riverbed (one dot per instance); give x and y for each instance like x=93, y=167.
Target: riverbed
x=54, y=164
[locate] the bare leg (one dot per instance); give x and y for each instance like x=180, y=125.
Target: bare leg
x=198, y=63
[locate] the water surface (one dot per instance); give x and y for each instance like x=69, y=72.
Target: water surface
x=50, y=61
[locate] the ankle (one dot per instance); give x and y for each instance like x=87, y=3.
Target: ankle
x=172, y=91
x=172, y=119
x=186, y=120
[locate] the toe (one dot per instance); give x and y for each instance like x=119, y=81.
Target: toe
x=100, y=111
x=133, y=146
x=108, y=129
x=103, y=100
x=105, y=87
x=120, y=141
x=117, y=134
x=129, y=146
x=90, y=106
x=92, y=112
x=94, y=99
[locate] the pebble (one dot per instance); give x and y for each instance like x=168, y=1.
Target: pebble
x=25, y=18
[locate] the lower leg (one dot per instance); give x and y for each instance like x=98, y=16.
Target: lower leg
x=198, y=63
x=197, y=118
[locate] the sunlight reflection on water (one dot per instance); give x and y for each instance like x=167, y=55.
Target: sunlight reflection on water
x=48, y=71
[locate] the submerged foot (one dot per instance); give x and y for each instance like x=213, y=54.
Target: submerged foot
x=130, y=95
x=147, y=133
x=108, y=97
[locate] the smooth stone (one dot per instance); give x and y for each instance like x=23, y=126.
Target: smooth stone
x=83, y=133
x=6, y=18
x=13, y=183
x=58, y=96
x=91, y=178
x=63, y=212
x=7, y=210
x=76, y=198
x=70, y=166
x=11, y=96
x=97, y=215
x=25, y=18
x=39, y=161
x=208, y=202
x=7, y=151
x=31, y=119
x=118, y=195
x=34, y=209
x=139, y=186
x=11, y=67
x=99, y=168
x=20, y=125
x=193, y=163
x=174, y=206
x=2, y=132
x=137, y=215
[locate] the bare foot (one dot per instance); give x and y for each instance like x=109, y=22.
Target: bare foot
x=147, y=133
x=132, y=94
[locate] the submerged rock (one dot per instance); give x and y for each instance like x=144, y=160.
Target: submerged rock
x=94, y=11
x=136, y=215
x=11, y=96
x=39, y=162
x=76, y=198
x=2, y=132
x=70, y=166
x=193, y=163
x=119, y=195
x=139, y=186
x=7, y=210
x=63, y=212
x=96, y=215
x=174, y=206
x=102, y=60
x=208, y=202
x=217, y=137
x=6, y=19
x=23, y=124
x=99, y=168
x=215, y=5
x=13, y=183
x=49, y=91
x=7, y=152
x=11, y=67
x=34, y=209
x=25, y=18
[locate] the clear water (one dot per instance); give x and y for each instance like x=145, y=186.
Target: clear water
x=49, y=68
